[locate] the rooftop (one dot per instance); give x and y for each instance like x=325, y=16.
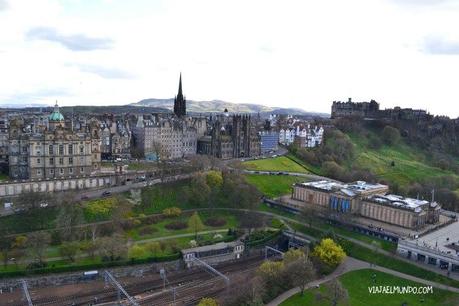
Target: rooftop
x=351, y=189
x=401, y=202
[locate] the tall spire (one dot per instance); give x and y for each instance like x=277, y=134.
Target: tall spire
x=179, y=101
x=180, y=86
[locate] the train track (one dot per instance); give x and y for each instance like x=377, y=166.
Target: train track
x=182, y=280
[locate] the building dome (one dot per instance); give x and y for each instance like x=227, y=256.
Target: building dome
x=56, y=114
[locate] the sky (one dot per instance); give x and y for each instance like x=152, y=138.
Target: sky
x=303, y=54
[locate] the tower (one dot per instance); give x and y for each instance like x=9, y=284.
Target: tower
x=179, y=101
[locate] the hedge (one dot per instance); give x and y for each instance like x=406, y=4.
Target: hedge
x=93, y=266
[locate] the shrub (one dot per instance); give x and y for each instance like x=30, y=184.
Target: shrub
x=176, y=225
x=153, y=219
x=215, y=222
x=172, y=212
x=146, y=230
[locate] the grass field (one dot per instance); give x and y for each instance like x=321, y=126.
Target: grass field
x=273, y=185
x=357, y=283
x=409, y=164
x=280, y=163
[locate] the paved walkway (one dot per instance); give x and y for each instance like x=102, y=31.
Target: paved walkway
x=352, y=264
x=453, y=275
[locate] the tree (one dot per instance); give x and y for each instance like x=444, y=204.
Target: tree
x=292, y=255
x=270, y=269
x=112, y=248
x=198, y=192
x=18, y=248
x=153, y=247
x=200, y=162
x=172, y=212
x=335, y=292
x=34, y=207
x=89, y=247
x=6, y=246
x=69, y=250
x=300, y=272
x=137, y=251
x=70, y=215
x=37, y=243
x=195, y=224
x=390, y=135
x=308, y=213
x=251, y=220
x=208, y=302
x=329, y=252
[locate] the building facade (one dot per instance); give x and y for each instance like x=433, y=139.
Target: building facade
x=54, y=152
x=368, y=201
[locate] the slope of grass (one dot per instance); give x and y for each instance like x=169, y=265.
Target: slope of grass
x=357, y=283
x=273, y=185
x=409, y=166
x=280, y=163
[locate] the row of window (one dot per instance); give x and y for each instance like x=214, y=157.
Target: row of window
x=61, y=171
x=61, y=160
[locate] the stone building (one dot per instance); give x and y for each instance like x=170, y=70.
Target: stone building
x=169, y=137
x=368, y=201
x=371, y=110
x=404, y=212
x=115, y=138
x=231, y=137
x=54, y=152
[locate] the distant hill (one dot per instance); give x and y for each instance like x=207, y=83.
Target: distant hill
x=215, y=106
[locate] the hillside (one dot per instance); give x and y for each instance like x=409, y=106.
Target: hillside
x=220, y=106
x=408, y=169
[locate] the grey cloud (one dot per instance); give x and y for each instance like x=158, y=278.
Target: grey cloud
x=440, y=46
x=75, y=42
x=105, y=72
x=33, y=96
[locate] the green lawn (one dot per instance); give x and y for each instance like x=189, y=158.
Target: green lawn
x=273, y=185
x=280, y=163
x=4, y=177
x=357, y=283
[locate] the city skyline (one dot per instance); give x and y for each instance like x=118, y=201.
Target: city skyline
x=400, y=53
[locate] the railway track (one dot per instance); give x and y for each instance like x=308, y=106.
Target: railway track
x=149, y=284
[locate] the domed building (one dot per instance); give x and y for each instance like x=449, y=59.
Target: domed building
x=53, y=152
x=56, y=119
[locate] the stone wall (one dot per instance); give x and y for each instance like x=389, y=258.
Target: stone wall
x=16, y=188
x=50, y=280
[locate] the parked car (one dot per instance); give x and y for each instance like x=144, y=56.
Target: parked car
x=84, y=197
x=106, y=193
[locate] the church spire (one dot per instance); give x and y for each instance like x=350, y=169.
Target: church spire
x=180, y=86
x=179, y=101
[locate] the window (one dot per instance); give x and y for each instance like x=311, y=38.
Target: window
x=61, y=171
x=70, y=170
x=70, y=149
x=24, y=149
x=70, y=160
x=81, y=170
x=38, y=172
x=61, y=161
x=51, y=171
x=51, y=161
x=38, y=161
x=50, y=149
x=61, y=149
x=81, y=149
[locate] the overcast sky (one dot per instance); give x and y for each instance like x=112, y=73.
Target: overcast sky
x=281, y=53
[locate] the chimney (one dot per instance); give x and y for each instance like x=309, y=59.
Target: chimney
x=350, y=100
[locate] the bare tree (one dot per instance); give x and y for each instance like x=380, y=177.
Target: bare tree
x=300, y=272
x=37, y=243
x=335, y=293
x=70, y=215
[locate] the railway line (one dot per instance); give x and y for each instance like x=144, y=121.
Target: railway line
x=190, y=285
